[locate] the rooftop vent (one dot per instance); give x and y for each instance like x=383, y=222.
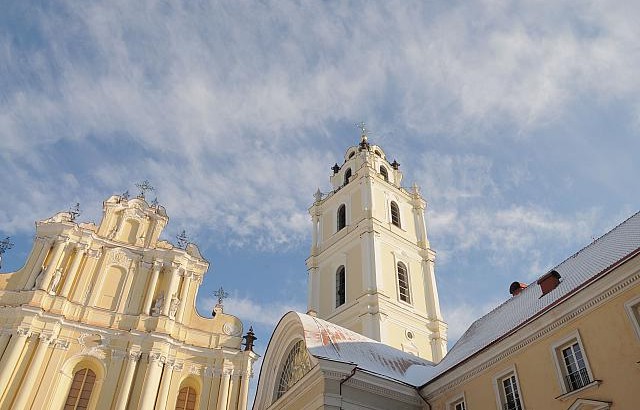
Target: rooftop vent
x=516, y=288
x=549, y=282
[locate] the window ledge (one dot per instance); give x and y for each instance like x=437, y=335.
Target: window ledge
x=567, y=395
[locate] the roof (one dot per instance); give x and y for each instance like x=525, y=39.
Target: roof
x=326, y=340
x=576, y=271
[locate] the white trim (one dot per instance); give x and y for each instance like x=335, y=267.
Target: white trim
x=556, y=353
x=633, y=310
x=498, y=388
x=456, y=400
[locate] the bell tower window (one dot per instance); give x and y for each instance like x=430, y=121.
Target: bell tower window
x=342, y=217
x=340, y=286
x=395, y=214
x=384, y=173
x=347, y=175
x=403, y=283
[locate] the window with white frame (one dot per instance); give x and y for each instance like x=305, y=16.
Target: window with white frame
x=572, y=364
x=341, y=217
x=395, y=214
x=633, y=310
x=508, y=390
x=458, y=405
x=403, y=283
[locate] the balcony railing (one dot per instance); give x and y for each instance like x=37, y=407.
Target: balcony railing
x=577, y=379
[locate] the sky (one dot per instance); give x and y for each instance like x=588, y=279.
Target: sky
x=519, y=120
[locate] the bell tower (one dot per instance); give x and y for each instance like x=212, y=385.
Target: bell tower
x=371, y=268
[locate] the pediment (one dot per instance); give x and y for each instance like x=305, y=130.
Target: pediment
x=585, y=404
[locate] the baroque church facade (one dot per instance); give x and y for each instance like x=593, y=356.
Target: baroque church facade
x=374, y=338
x=103, y=317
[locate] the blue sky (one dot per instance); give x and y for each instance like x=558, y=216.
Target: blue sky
x=520, y=120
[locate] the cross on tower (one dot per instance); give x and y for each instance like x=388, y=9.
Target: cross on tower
x=75, y=211
x=364, y=132
x=183, y=239
x=4, y=245
x=221, y=295
x=144, y=186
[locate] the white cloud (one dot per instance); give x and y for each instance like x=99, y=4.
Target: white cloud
x=251, y=311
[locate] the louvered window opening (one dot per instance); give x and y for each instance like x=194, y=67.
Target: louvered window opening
x=403, y=283
x=342, y=217
x=186, y=399
x=347, y=175
x=395, y=214
x=295, y=367
x=340, y=286
x=81, y=388
x=384, y=173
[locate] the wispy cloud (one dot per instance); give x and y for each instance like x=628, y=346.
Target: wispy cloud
x=252, y=312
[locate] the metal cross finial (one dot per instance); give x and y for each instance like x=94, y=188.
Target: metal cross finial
x=75, y=211
x=125, y=195
x=364, y=132
x=183, y=239
x=144, y=186
x=154, y=203
x=221, y=295
x=4, y=245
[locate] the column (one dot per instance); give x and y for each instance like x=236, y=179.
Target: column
x=125, y=387
x=108, y=391
x=173, y=287
x=244, y=390
x=163, y=393
x=148, y=301
x=184, y=292
x=30, y=376
x=208, y=374
x=151, y=381
x=73, y=270
x=37, y=267
x=4, y=340
x=10, y=358
x=53, y=264
x=223, y=393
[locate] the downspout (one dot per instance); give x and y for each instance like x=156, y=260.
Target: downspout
x=344, y=379
x=422, y=397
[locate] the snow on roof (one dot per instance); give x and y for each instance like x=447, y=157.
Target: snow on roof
x=575, y=271
x=329, y=341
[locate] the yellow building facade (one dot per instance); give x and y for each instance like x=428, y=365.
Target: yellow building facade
x=103, y=317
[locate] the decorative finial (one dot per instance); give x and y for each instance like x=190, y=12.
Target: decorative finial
x=154, y=203
x=183, y=239
x=125, y=195
x=75, y=211
x=4, y=246
x=221, y=295
x=144, y=186
x=318, y=195
x=335, y=168
x=364, y=132
x=395, y=165
x=250, y=337
x=415, y=189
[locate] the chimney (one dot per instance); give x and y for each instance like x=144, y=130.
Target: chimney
x=516, y=288
x=549, y=282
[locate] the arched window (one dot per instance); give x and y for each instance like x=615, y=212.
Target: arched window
x=295, y=367
x=347, y=175
x=352, y=154
x=395, y=214
x=384, y=173
x=340, y=286
x=186, y=399
x=81, y=388
x=342, y=216
x=403, y=283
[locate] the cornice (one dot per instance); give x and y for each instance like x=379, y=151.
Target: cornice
x=612, y=291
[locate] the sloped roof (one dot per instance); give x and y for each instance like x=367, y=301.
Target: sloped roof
x=577, y=270
x=329, y=341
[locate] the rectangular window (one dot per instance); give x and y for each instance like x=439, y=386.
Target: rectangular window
x=572, y=364
x=511, y=395
x=459, y=405
x=633, y=310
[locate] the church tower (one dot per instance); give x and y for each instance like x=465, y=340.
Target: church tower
x=371, y=269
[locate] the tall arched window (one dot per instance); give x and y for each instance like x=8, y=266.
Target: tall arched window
x=347, y=175
x=186, y=399
x=403, y=283
x=384, y=173
x=340, y=286
x=342, y=216
x=395, y=214
x=81, y=388
x=295, y=367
